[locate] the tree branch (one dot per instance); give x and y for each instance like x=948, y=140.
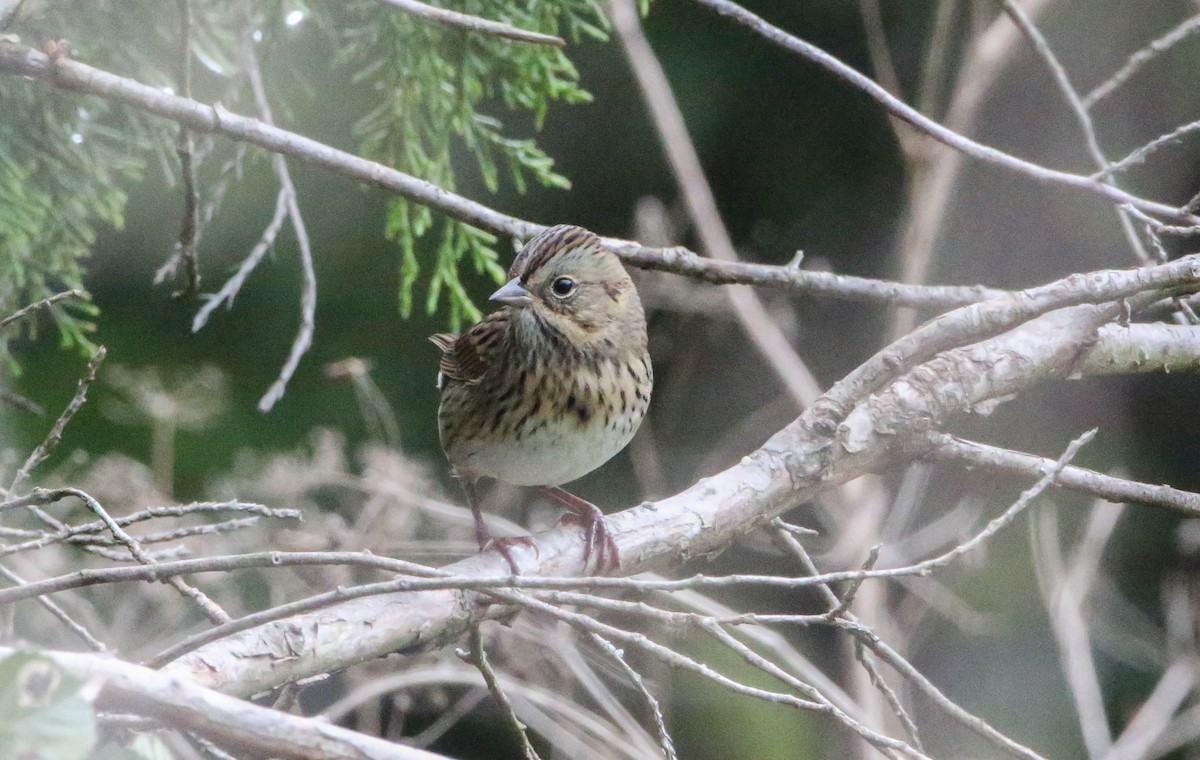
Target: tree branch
x=795, y=465
x=1107, y=487
x=474, y=23
x=223, y=719
x=932, y=128
x=78, y=77
x=762, y=330
x=33, y=308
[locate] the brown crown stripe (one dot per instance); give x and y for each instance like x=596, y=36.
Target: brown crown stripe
x=543, y=246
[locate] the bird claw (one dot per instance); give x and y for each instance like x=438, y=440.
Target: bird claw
x=597, y=538
x=504, y=544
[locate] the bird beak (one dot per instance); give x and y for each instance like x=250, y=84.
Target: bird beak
x=513, y=293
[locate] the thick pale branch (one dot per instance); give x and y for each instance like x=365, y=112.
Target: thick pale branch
x=1143, y=348
x=991, y=317
x=224, y=719
x=956, y=381
x=796, y=464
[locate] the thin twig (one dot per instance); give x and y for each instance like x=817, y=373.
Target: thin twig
x=906, y=669
x=74, y=626
x=33, y=308
x=1108, y=487
x=85, y=534
x=788, y=540
x=186, y=250
x=935, y=130
x=589, y=624
x=1139, y=155
x=679, y=260
x=913, y=675
x=211, y=609
x=308, y=295
x=175, y=534
x=760, y=327
x=429, y=578
x=1140, y=58
x=660, y=725
x=890, y=656
x=1017, y=507
x=843, y=606
x=1071, y=95
x=479, y=658
x=474, y=23
x=52, y=439
x=234, y=284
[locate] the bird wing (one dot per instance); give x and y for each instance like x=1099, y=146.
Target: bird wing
x=466, y=357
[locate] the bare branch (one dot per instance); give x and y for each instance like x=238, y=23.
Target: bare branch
x=679, y=260
x=33, y=308
x=1071, y=95
x=308, y=296
x=990, y=317
x=234, y=284
x=1118, y=490
x=1140, y=58
x=474, y=23
x=784, y=537
x=58, y=612
x=664, y=738
x=185, y=254
x=1141, y=154
x=210, y=608
x=73, y=75
x=762, y=330
x=932, y=128
x=478, y=657
x=227, y=720
x=43, y=450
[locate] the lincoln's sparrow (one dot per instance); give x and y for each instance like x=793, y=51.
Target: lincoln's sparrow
x=552, y=385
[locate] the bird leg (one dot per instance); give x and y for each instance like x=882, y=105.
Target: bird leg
x=591, y=518
x=483, y=535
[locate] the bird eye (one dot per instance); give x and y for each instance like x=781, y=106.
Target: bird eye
x=563, y=287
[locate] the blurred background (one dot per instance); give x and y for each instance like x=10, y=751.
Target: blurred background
x=798, y=160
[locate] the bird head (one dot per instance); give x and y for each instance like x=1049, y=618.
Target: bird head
x=565, y=280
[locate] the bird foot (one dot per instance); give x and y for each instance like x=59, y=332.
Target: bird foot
x=597, y=538
x=504, y=544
